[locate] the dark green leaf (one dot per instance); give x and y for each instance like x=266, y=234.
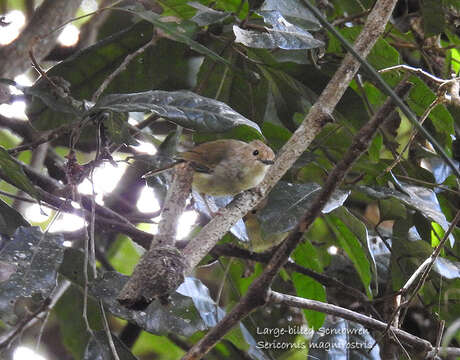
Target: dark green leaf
x=14, y=174
x=416, y=197
x=391, y=209
x=33, y=259
x=86, y=70
x=374, y=149
x=305, y=255
x=359, y=230
x=182, y=107
x=288, y=202
x=205, y=15
x=294, y=11
x=282, y=34
x=72, y=327
x=433, y=17
x=354, y=249
x=177, y=32
x=116, y=125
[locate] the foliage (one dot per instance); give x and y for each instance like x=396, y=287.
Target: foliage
x=206, y=70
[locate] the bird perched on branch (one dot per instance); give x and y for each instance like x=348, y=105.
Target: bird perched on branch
x=226, y=167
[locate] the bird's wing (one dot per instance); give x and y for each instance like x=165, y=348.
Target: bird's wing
x=205, y=157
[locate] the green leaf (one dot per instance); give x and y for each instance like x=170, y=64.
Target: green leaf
x=433, y=17
x=354, y=249
x=182, y=107
x=391, y=209
x=282, y=35
x=205, y=15
x=14, y=174
x=288, y=202
x=116, y=125
x=374, y=149
x=294, y=11
x=72, y=327
x=416, y=197
x=240, y=90
x=177, y=32
x=306, y=256
x=420, y=97
x=276, y=135
x=359, y=230
x=179, y=8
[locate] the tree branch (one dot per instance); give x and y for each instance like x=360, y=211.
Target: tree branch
x=415, y=342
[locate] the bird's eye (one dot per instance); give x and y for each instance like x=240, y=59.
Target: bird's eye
x=255, y=152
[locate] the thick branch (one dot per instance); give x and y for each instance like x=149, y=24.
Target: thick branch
x=161, y=269
x=174, y=206
x=51, y=14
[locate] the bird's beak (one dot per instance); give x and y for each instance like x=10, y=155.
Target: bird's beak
x=267, y=162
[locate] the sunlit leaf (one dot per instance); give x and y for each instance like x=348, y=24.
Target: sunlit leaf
x=283, y=35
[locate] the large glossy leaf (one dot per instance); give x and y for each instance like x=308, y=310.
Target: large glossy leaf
x=31, y=260
x=205, y=15
x=14, y=174
x=287, y=202
x=182, y=107
x=282, y=35
x=294, y=11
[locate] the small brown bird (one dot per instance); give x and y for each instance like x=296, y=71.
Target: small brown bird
x=227, y=167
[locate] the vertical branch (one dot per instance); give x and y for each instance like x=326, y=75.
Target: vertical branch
x=161, y=269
